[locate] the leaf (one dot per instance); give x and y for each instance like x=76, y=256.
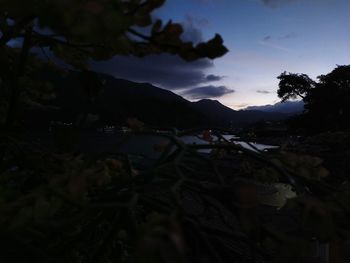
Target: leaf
x=278, y=198
x=77, y=186
x=22, y=218
x=317, y=219
x=94, y=7
x=303, y=165
x=156, y=26
x=143, y=21
x=213, y=48
x=41, y=210
x=246, y=194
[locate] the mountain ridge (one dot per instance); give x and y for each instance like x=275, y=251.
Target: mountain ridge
x=115, y=100
x=290, y=107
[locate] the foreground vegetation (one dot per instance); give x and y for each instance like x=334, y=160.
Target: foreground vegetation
x=59, y=205
x=67, y=207
x=326, y=101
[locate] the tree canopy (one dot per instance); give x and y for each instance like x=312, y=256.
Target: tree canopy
x=78, y=31
x=293, y=85
x=326, y=101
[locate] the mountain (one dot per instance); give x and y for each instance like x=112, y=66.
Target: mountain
x=119, y=99
x=214, y=110
x=225, y=116
x=289, y=107
x=115, y=100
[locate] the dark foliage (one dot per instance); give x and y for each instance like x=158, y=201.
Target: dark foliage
x=292, y=86
x=181, y=207
x=77, y=32
x=326, y=101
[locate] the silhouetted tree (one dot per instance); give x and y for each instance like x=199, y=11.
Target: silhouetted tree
x=292, y=86
x=79, y=31
x=329, y=101
x=326, y=101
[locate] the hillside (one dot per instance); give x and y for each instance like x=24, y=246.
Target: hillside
x=115, y=100
x=223, y=115
x=289, y=107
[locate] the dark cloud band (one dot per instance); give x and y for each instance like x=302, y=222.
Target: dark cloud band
x=212, y=77
x=167, y=71
x=207, y=92
x=276, y=3
x=263, y=91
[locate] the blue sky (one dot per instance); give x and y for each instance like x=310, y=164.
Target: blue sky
x=264, y=38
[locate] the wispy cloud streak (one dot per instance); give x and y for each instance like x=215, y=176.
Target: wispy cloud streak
x=274, y=46
x=263, y=91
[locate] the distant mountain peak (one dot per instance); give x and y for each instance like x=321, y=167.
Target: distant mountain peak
x=211, y=102
x=288, y=107
x=208, y=101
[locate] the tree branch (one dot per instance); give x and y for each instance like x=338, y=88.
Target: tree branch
x=47, y=39
x=15, y=30
x=299, y=94
x=151, y=40
x=15, y=86
x=142, y=36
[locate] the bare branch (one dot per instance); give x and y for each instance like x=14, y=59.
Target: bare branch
x=48, y=40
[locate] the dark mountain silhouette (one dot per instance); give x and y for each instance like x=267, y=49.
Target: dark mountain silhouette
x=214, y=110
x=290, y=107
x=223, y=115
x=117, y=99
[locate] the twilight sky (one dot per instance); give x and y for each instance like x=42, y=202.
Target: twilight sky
x=265, y=38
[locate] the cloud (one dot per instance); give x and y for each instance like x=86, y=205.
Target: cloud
x=289, y=35
x=164, y=70
x=167, y=71
x=212, y=77
x=270, y=41
x=241, y=105
x=203, y=1
x=195, y=21
x=191, y=30
x=267, y=38
x=274, y=46
x=263, y=91
x=211, y=1
x=276, y=3
x=202, y=22
x=209, y=91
